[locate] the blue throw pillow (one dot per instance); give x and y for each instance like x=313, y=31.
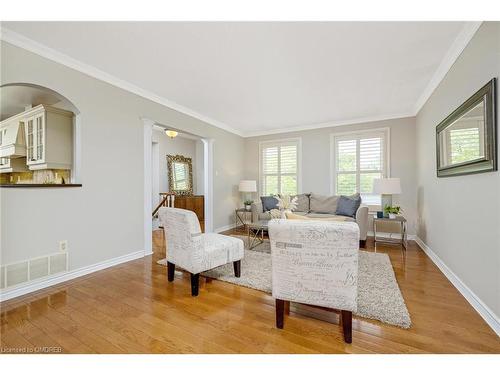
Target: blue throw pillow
x=269, y=203
x=347, y=206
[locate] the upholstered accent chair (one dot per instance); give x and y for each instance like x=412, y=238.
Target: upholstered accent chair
x=315, y=263
x=194, y=251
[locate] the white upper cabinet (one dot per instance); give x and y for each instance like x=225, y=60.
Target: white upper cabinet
x=49, y=138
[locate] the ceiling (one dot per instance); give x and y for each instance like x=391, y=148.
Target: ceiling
x=256, y=77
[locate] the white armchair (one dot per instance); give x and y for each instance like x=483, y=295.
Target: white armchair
x=194, y=251
x=315, y=263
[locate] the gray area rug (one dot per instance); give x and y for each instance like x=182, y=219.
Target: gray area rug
x=379, y=296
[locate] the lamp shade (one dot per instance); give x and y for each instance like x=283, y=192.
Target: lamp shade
x=248, y=186
x=386, y=186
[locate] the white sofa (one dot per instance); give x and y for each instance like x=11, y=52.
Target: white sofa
x=194, y=251
x=318, y=206
x=316, y=263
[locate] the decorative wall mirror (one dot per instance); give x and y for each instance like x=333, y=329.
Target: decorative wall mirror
x=180, y=175
x=466, y=139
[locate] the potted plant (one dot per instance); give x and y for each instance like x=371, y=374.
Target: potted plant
x=392, y=211
x=248, y=205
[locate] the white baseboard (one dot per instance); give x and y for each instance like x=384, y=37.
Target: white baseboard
x=32, y=286
x=224, y=228
x=489, y=316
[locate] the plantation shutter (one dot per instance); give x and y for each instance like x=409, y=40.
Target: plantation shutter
x=359, y=159
x=279, y=168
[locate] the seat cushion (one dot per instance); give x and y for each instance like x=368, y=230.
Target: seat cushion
x=327, y=217
x=216, y=250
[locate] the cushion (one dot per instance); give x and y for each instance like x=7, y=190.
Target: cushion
x=293, y=216
x=347, y=206
x=302, y=202
x=323, y=204
x=268, y=203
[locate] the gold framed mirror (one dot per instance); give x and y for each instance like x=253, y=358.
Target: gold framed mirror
x=180, y=175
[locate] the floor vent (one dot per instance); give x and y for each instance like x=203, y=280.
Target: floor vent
x=33, y=269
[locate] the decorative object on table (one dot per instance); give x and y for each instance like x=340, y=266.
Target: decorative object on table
x=248, y=205
x=380, y=214
x=275, y=214
x=386, y=187
x=247, y=187
x=180, y=175
x=194, y=251
x=466, y=139
x=402, y=227
x=392, y=211
x=286, y=204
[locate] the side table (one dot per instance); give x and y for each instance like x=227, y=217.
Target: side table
x=240, y=217
x=402, y=225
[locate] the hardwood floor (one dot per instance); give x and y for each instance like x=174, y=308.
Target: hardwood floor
x=130, y=308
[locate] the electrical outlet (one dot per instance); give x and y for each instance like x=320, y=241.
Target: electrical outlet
x=63, y=246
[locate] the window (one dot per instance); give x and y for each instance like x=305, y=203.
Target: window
x=279, y=167
x=359, y=158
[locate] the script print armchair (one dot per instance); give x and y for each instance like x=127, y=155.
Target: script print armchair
x=315, y=263
x=194, y=251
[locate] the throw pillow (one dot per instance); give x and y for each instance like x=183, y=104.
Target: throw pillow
x=302, y=202
x=347, y=206
x=269, y=203
x=321, y=204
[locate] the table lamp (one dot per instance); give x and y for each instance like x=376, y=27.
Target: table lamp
x=386, y=187
x=248, y=187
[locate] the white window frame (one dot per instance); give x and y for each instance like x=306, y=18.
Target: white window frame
x=356, y=135
x=281, y=142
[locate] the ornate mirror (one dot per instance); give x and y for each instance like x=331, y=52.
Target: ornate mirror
x=466, y=139
x=180, y=175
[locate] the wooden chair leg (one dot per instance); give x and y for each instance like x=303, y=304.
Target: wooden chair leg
x=287, y=307
x=347, y=325
x=362, y=244
x=280, y=313
x=237, y=268
x=195, y=281
x=170, y=271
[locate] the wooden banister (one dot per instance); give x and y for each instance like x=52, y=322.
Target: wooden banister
x=167, y=200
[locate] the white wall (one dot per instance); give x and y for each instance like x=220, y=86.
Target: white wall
x=103, y=219
x=316, y=159
x=460, y=216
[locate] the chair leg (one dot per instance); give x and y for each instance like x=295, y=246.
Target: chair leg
x=280, y=313
x=287, y=307
x=237, y=268
x=170, y=271
x=347, y=325
x=362, y=244
x=195, y=280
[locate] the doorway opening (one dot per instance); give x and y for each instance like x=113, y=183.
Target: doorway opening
x=164, y=156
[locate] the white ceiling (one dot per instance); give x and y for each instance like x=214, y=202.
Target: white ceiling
x=257, y=78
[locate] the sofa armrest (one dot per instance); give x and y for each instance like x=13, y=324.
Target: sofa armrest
x=362, y=220
x=256, y=210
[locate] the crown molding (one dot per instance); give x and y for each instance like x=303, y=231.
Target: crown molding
x=451, y=56
x=354, y=121
x=40, y=49
x=457, y=47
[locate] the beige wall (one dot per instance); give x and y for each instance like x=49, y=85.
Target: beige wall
x=104, y=218
x=460, y=216
x=316, y=159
